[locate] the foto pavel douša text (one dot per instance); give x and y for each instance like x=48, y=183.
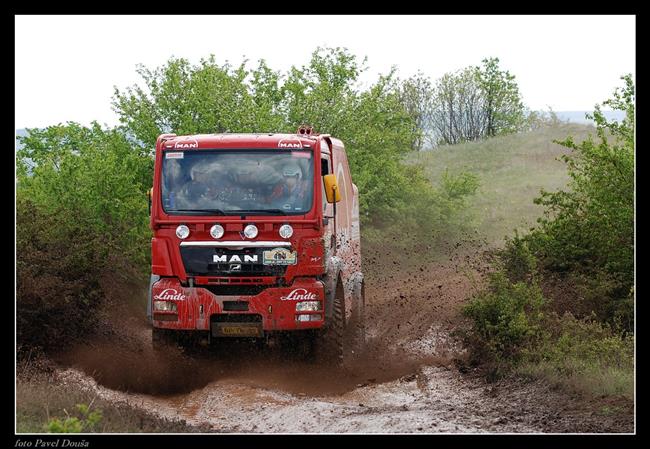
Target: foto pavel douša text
x=58, y=442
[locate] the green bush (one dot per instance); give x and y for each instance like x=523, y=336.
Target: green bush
x=588, y=231
x=584, y=245
x=519, y=263
x=583, y=355
x=86, y=422
x=57, y=273
x=82, y=228
x=92, y=180
x=506, y=317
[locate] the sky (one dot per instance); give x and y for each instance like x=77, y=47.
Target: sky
x=67, y=66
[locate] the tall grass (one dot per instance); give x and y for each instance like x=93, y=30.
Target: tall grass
x=41, y=399
x=511, y=170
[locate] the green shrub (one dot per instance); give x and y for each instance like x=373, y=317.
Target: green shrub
x=81, y=228
x=588, y=230
x=583, y=355
x=519, y=263
x=57, y=272
x=86, y=422
x=506, y=317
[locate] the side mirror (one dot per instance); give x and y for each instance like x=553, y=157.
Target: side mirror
x=331, y=189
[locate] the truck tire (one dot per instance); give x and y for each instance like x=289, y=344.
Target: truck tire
x=329, y=346
x=357, y=326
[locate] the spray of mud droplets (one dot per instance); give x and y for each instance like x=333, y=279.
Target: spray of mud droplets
x=405, y=301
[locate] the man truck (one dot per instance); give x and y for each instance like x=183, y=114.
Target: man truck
x=256, y=236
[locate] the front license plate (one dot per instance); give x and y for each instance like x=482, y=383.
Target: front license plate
x=237, y=330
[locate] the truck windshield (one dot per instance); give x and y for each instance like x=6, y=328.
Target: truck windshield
x=221, y=182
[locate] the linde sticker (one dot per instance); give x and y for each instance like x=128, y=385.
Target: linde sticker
x=170, y=294
x=280, y=256
x=174, y=155
x=299, y=294
x=290, y=143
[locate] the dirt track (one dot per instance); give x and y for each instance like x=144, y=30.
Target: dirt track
x=405, y=381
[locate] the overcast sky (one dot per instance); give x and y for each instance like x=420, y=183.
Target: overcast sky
x=66, y=66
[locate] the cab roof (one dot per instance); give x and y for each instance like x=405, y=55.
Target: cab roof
x=256, y=140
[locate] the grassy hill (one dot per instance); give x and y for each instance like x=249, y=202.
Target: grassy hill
x=511, y=170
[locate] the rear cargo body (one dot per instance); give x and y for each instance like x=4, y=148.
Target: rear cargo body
x=244, y=241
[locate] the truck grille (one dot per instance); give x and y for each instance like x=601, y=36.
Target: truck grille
x=200, y=261
x=235, y=290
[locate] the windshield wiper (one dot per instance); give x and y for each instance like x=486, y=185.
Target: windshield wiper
x=261, y=211
x=200, y=211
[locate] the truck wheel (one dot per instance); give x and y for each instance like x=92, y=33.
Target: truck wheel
x=330, y=345
x=357, y=331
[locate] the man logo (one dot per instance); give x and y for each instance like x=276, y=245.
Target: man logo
x=235, y=267
x=187, y=143
x=290, y=143
x=235, y=258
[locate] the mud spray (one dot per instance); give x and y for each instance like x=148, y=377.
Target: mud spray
x=410, y=309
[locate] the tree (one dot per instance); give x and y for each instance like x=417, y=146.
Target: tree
x=476, y=102
x=458, y=112
x=96, y=178
x=207, y=98
x=503, y=108
x=417, y=95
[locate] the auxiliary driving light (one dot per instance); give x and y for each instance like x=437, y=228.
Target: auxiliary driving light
x=182, y=232
x=308, y=306
x=165, y=306
x=216, y=231
x=286, y=231
x=250, y=231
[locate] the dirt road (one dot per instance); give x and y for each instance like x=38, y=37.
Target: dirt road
x=405, y=381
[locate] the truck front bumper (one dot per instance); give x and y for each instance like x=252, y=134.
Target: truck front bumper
x=195, y=308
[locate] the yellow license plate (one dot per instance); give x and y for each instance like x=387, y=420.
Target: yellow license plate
x=239, y=331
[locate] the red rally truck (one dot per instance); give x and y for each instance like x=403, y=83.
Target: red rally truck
x=255, y=236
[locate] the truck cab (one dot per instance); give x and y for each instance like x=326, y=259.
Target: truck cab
x=254, y=235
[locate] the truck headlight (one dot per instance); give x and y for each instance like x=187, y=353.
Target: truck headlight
x=308, y=306
x=250, y=231
x=165, y=306
x=182, y=232
x=216, y=231
x=286, y=231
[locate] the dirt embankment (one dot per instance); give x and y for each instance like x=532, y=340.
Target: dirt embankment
x=406, y=380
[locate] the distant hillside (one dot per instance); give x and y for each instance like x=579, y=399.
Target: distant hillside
x=579, y=116
x=512, y=170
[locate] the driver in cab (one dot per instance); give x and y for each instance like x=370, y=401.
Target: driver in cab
x=291, y=190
